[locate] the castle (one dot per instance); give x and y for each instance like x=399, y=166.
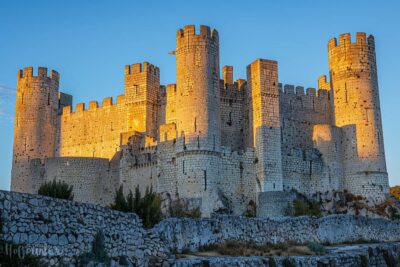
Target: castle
x=218, y=144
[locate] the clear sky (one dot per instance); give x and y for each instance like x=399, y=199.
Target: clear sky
x=89, y=42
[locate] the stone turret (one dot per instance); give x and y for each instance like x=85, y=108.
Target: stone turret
x=262, y=77
x=142, y=83
x=35, y=131
x=354, y=81
x=197, y=112
x=197, y=101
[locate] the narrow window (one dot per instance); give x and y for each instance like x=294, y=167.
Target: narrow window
x=198, y=142
x=205, y=180
x=345, y=91
x=214, y=142
x=183, y=167
x=48, y=99
x=22, y=98
x=230, y=119
x=195, y=124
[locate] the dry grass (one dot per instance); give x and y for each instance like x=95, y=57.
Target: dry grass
x=241, y=248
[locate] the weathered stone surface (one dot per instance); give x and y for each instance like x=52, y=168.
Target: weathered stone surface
x=215, y=143
x=59, y=239
x=375, y=255
x=190, y=234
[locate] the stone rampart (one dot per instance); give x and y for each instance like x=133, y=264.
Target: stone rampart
x=191, y=234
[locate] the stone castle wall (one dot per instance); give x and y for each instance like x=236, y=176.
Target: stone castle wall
x=61, y=230
x=98, y=131
x=190, y=234
x=218, y=142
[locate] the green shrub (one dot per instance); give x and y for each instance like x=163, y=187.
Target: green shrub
x=394, y=213
x=317, y=248
x=364, y=261
x=272, y=262
x=301, y=208
x=179, y=209
x=389, y=259
x=1, y=223
x=287, y=262
x=148, y=207
x=251, y=210
x=98, y=253
x=56, y=190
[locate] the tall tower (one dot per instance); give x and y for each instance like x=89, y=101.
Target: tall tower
x=357, y=109
x=35, y=125
x=197, y=111
x=262, y=77
x=142, y=83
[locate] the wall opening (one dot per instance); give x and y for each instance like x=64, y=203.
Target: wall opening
x=205, y=180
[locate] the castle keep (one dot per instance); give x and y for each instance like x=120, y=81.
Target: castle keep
x=217, y=144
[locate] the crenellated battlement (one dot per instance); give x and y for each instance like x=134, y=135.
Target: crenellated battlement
x=345, y=40
x=189, y=31
x=142, y=67
x=289, y=89
x=94, y=105
x=323, y=83
x=41, y=73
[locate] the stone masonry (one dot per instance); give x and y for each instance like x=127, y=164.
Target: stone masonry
x=217, y=143
x=59, y=231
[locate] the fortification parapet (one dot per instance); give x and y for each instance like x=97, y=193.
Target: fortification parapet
x=189, y=33
x=42, y=73
x=227, y=74
x=140, y=68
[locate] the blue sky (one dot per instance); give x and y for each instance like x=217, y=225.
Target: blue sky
x=89, y=42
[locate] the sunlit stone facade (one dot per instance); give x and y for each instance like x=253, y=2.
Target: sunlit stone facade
x=218, y=144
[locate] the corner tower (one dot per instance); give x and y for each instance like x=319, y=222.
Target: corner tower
x=354, y=81
x=197, y=112
x=35, y=125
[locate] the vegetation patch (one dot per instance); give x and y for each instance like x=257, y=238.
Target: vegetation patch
x=148, y=207
x=243, y=248
x=98, y=253
x=56, y=189
x=303, y=207
x=178, y=209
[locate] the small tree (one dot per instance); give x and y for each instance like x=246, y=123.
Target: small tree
x=98, y=252
x=148, y=207
x=57, y=189
x=120, y=201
